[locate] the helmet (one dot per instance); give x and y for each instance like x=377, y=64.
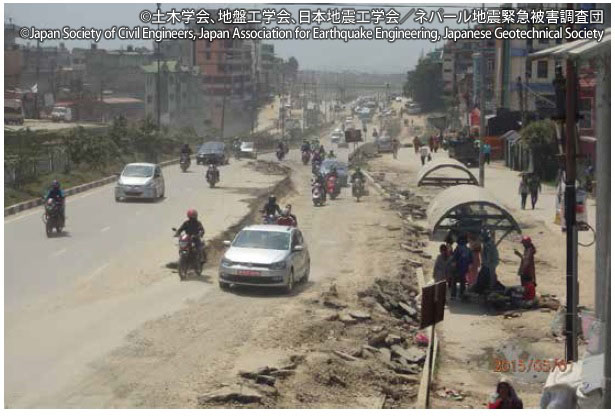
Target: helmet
x=526, y=240
x=192, y=213
x=272, y=198
x=212, y=166
x=55, y=184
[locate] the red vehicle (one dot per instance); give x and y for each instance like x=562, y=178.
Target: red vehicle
x=332, y=188
x=189, y=256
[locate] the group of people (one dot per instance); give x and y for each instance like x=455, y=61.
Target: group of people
x=212, y=169
x=473, y=263
x=529, y=184
x=282, y=216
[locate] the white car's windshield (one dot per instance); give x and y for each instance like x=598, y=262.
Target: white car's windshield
x=271, y=240
x=138, y=171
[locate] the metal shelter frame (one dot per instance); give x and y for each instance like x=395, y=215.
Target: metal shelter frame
x=423, y=177
x=469, y=208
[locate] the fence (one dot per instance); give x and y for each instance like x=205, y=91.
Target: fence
x=18, y=171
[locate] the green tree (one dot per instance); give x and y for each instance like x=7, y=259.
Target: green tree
x=540, y=137
x=425, y=85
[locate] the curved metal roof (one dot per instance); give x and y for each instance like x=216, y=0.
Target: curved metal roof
x=469, y=208
x=424, y=178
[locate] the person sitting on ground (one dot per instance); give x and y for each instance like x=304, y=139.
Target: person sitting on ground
x=505, y=396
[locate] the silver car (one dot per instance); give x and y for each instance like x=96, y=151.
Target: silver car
x=247, y=149
x=140, y=180
x=265, y=255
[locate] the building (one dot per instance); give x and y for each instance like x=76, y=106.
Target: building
x=179, y=92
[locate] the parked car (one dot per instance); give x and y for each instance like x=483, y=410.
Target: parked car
x=384, y=144
x=265, y=255
x=247, y=149
x=341, y=167
x=216, y=153
x=337, y=136
x=465, y=151
x=140, y=181
x=414, y=109
x=59, y=113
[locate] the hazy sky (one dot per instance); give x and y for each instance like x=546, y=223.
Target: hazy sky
x=373, y=56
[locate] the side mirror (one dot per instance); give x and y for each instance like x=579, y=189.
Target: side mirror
x=227, y=243
x=174, y=229
x=298, y=248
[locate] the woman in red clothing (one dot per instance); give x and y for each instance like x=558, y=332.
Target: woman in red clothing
x=527, y=269
x=505, y=396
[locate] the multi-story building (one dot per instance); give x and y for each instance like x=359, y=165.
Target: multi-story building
x=180, y=97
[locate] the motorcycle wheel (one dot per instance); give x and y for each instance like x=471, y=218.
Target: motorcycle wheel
x=184, y=168
x=212, y=184
x=182, y=268
x=49, y=228
x=198, y=267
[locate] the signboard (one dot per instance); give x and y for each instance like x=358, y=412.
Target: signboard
x=433, y=298
x=353, y=136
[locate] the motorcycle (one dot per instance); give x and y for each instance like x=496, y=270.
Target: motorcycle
x=332, y=188
x=318, y=196
x=270, y=219
x=280, y=154
x=53, y=216
x=315, y=167
x=189, y=257
x=184, y=162
x=357, y=188
x=212, y=178
x=305, y=157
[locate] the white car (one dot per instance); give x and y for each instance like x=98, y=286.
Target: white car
x=398, y=99
x=265, y=255
x=247, y=149
x=337, y=136
x=140, y=180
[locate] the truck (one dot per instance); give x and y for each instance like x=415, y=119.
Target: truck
x=13, y=111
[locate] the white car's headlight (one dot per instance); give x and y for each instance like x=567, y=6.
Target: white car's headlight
x=150, y=184
x=280, y=265
x=226, y=263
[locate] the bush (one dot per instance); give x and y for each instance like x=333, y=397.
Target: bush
x=540, y=137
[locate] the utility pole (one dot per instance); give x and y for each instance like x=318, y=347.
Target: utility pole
x=38, y=60
x=481, y=156
x=158, y=76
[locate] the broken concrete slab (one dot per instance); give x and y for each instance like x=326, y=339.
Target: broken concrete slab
x=412, y=355
x=408, y=309
x=331, y=302
x=360, y=315
x=344, y=356
x=378, y=339
x=236, y=393
x=282, y=373
x=347, y=319
x=384, y=355
x=392, y=339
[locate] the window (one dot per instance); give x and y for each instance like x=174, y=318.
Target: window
x=585, y=110
x=542, y=69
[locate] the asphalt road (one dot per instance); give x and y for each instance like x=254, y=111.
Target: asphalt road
x=71, y=298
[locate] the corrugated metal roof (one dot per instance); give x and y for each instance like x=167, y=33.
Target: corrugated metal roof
x=579, y=49
x=447, y=163
x=469, y=203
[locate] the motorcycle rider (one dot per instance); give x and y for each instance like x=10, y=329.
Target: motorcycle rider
x=185, y=150
x=272, y=207
x=331, y=155
x=305, y=147
x=319, y=180
x=213, y=170
x=322, y=151
x=358, y=174
x=193, y=227
x=55, y=192
x=286, y=218
x=332, y=173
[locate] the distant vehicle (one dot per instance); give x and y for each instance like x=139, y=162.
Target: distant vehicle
x=341, y=168
x=247, y=149
x=465, y=151
x=59, y=113
x=215, y=153
x=398, y=99
x=414, y=108
x=265, y=255
x=13, y=111
x=140, y=180
x=349, y=119
x=337, y=136
x=384, y=144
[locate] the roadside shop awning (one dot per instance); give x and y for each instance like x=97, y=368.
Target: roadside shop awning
x=441, y=174
x=469, y=208
x=579, y=49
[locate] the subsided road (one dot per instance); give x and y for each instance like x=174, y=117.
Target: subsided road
x=71, y=299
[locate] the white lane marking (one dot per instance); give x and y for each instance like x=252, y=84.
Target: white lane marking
x=105, y=229
x=97, y=271
x=58, y=253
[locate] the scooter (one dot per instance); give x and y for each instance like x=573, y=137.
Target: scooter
x=332, y=188
x=318, y=196
x=212, y=178
x=184, y=162
x=305, y=157
x=357, y=189
x=279, y=154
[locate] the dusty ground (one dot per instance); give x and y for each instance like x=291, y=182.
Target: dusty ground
x=172, y=361
x=475, y=339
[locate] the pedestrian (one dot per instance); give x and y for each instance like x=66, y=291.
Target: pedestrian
x=441, y=269
x=490, y=258
x=535, y=188
x=527, y=269
x=396, y=146
x=505, y=396
x=449, y=243
x=475, y=249
x=436, y=144
x=523, y=190
x=487, y=153
x=425, y=154
x=462, y=259
x=431, y=143
x=417, y=143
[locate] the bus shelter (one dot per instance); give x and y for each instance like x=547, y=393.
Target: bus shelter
x=445, y=173
x=469, y=208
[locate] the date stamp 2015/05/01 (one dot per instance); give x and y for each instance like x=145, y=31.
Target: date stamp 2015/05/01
x=529, y=365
